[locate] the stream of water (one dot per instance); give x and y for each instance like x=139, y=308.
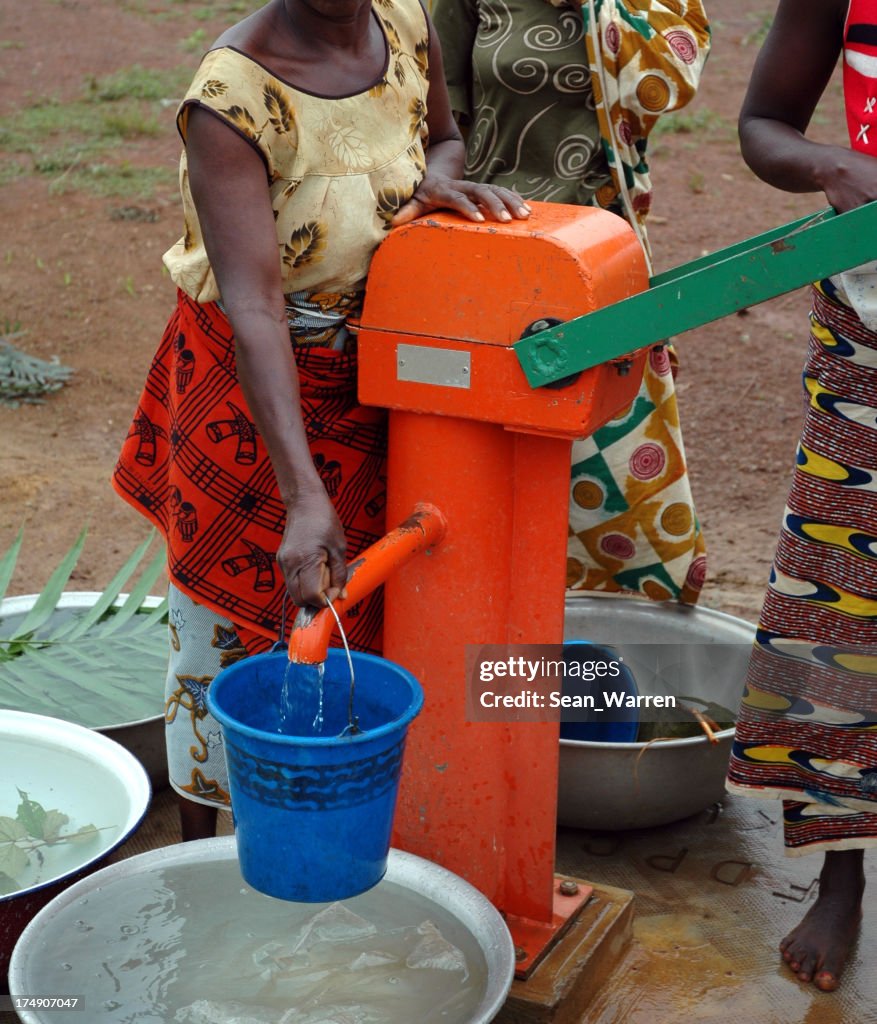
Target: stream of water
x=302, y=700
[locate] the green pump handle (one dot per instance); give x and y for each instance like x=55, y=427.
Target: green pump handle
x=703, y=290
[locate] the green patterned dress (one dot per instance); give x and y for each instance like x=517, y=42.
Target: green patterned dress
x=560, y=111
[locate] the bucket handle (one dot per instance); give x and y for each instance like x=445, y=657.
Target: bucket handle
x=352, y=727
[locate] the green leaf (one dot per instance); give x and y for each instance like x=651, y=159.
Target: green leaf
x=13, y=860
x=151, y=618
x=7, y=563
x=91, y=681
x=11, y=830
x=7, y=884
x=46, y=603
x=52, y=826
x=71, y=631
x=97, y=666
x=82, y=835
x=31, y=815
x=137, y=596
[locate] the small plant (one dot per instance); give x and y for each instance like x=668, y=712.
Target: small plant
x=24, y=378
x=696, y=183
x=26, y=836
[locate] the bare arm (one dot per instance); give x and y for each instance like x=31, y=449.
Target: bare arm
x=230, y=190
x=789, y=77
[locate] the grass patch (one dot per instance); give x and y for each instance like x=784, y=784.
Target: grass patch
x=228, y=11
x=760, y=29
x=196, y=42
x=702, y=121
x=72, y=142
x=103, y=179
x=139, y=83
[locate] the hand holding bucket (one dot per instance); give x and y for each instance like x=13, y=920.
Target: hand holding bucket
x=314, y=811
x=313, y=627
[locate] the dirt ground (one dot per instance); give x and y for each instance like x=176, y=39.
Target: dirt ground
x=82, y=276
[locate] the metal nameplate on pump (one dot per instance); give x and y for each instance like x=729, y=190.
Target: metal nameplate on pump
x=423, y=364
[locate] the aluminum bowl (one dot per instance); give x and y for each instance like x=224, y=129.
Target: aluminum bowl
x=421, y=878
x=79, y=772
x=139, y=727
x=614, y=786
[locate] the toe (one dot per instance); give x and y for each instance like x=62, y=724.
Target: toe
x=827, y=972
x=804, y=968
x=794, y=954
x=825, y=981
x=790, y=954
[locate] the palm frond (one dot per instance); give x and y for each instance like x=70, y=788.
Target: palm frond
x=97, y=661
x=73, y=629
x=7, y=563
x=47, y=602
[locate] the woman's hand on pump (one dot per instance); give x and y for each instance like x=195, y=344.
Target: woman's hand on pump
x=472, y=200
x=442, y=187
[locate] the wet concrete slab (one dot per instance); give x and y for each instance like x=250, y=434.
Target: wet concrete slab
x=714, y=894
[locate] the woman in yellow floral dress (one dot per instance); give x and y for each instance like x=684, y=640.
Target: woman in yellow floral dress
x=559, y=98
x=310, y=128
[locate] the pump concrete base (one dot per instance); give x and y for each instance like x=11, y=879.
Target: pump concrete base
x=564, y=983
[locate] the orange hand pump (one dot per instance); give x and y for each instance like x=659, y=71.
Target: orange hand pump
x=446, y=302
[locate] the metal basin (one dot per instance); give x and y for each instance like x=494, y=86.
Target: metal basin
x=79, y=773
x=133, y=712
x=704, y=653
x=177, y=950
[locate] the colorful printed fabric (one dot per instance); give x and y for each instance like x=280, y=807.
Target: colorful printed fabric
x=195, y=465
x=807, y=731
x=546, y=104
x=646, y=59
x=859, y=285
x=338, y=168
x=632, y=521
x=201, y=643
x=522, y=77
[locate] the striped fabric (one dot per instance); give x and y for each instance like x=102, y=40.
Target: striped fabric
x=807, y=731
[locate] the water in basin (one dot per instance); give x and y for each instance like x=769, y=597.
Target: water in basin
x=194, y=944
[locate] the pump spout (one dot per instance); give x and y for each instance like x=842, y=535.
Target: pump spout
x=312, y=630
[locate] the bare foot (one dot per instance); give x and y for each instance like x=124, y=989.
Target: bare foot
x=818, y=947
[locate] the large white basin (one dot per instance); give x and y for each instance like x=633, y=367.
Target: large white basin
x=84, y=775
x=198, y=946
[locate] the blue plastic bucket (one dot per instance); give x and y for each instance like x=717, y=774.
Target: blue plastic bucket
x=313, y=809
x=615, y=725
